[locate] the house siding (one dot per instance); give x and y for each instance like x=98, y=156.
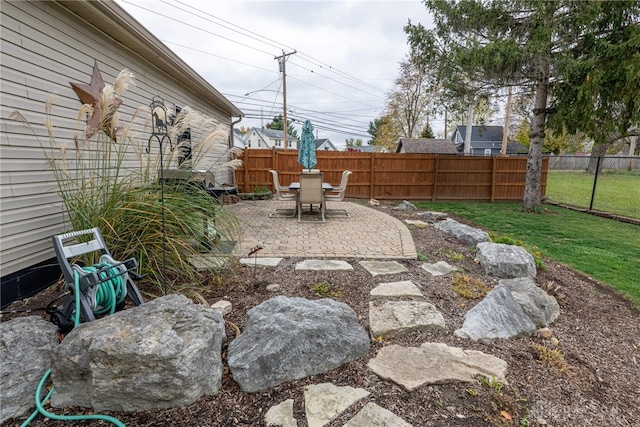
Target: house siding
x=45, y=47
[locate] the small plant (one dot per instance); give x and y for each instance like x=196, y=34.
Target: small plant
x=491, y=383
x=472, y=392
x=325, y=290
x=260, y=189
x=553, y=357
x=107, y=180
x=469, y=288
x=422, y=257
x=455, y=256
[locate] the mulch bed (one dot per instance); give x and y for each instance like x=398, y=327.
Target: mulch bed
x=590, y=377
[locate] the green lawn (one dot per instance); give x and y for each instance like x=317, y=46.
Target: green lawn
x=616, y=192
x=604, y=249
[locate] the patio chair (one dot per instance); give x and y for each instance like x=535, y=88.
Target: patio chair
x=311, y=193
x=282, y=194
x=337, y=195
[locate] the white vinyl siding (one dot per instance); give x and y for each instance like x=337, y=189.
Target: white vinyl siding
x=45, y=47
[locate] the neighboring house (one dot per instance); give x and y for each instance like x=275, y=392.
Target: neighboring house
x=238, y=138
x=426, y=146
x=269, y=138
x=485, y=141
x=45, y=46
x=325, y=144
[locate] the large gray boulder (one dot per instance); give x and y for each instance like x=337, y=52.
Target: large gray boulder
x=26, y=345
x=468, y=235
x=541, y=307
x=162, y=354
x=498, y=315
x=506, y=261
x=291, y=338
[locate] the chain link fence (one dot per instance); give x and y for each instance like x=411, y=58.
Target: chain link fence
x=609, y=184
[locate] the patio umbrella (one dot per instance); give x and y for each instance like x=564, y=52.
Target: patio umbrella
x=307, y=149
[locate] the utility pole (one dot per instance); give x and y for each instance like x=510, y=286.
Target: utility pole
x=282, y=61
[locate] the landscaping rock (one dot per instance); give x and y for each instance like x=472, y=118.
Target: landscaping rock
x=325, y=402
x=404, y=288
x=433, y=216
x=162, y=354
x=26, y=345
x=395, y=317
x=541, y=307
x=281, y=415
x=468, y=235
x=498, y=315
x=373, y=415
x=434, y=363
x=506, y=261
x=406, y=206
x=377, y=268
x=291, y=338
x=440, y=268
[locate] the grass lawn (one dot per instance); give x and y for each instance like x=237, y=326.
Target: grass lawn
x=604, y=249
x=617, y=192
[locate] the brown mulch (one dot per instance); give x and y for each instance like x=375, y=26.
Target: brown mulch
x=590, y=376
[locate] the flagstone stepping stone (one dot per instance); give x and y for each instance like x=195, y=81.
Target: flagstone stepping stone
x=281, y=415
x=323, y=265
x=404, y=288
x=395, y=317
x=377, y=268
x=260, y=262
x=326, y=402
x=416, y=223
x=434, y=363
x=440, y=268
x=373, y=415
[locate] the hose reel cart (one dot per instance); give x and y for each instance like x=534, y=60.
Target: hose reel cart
x=93, y=290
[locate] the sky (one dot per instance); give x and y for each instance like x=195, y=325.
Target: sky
x=347, y=55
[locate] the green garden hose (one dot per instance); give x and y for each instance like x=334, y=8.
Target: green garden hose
x=110, y=292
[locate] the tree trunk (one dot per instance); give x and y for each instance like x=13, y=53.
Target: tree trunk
x=532, y=198
x=632, y=150
x=467, y=136
x=598, y=150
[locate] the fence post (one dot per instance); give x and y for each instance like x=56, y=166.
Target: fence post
x=595, y=181
x=434, y=191
x=371, y=173
x=246, y=169
x=494, y=160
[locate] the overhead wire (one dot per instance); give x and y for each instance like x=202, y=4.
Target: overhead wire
x=325, y=117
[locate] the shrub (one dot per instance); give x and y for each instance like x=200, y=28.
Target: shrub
x=106, y=181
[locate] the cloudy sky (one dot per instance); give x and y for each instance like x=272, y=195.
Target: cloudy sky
x=347, y=54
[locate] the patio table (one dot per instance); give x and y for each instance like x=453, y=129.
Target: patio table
x=295, y=186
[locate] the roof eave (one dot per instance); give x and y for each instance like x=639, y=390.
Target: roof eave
x=114, y=21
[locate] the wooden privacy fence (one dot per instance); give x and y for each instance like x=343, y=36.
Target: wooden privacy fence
x=397, y=176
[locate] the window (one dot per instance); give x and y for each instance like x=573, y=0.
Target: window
x=278, y=143
x=487, y=151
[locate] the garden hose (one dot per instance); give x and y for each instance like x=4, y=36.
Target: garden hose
x=110, y=292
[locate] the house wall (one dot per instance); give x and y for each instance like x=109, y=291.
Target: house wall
x=45, y=47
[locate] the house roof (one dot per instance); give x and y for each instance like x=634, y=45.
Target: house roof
x=482, y=133
x=116, y=23
x=321, y=141
x=274, y=133
x=426, y=145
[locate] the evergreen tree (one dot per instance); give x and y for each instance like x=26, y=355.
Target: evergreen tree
x=530, y=44
x=276, y=124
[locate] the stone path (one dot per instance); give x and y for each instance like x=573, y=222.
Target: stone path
x=394, y=308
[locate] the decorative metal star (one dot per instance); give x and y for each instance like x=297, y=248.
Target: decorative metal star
x=90, y=94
